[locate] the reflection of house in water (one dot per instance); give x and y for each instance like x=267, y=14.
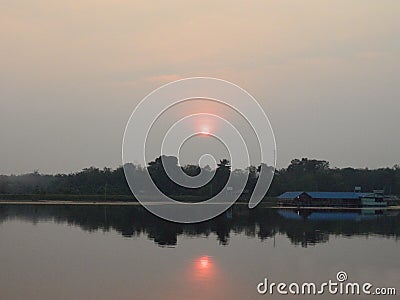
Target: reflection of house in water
x=311, y=226
x=332, y=215
x=332, y=199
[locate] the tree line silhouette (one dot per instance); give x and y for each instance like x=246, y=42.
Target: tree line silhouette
x=302, y=174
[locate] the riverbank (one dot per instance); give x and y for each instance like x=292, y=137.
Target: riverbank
x=130, y=203
x=104, y=199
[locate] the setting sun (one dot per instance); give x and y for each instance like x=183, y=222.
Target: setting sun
x=204, y=262
x=205, y=131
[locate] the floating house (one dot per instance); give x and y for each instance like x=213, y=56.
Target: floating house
x=332, y=199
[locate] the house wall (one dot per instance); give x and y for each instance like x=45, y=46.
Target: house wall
x=305, y=200
x=371, y=201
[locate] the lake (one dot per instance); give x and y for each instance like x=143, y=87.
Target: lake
x=124, y=252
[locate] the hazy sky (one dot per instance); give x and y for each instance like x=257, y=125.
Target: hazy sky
x=71, y=72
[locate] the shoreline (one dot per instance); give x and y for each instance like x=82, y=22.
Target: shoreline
x=130, y=203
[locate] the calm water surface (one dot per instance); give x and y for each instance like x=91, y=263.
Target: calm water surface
x=123, y=252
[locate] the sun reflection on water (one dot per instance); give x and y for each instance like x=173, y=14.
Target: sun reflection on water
x=204, y=262
x=203, y=269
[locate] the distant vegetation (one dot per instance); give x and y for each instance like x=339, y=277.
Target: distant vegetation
x=301, y=174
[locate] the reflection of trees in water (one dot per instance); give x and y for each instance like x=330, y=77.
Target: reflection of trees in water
x=131, y=221
x=307, y=238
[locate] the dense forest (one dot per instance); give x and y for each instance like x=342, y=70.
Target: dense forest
x=301, y=174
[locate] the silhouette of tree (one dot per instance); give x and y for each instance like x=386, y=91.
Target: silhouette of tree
x=301, y=174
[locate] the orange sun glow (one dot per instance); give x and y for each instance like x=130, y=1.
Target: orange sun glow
x=204, y=261
x=205, y=131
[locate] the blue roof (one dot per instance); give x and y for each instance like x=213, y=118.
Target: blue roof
x=290, y=195
x=325, y=195
x=334, y=195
